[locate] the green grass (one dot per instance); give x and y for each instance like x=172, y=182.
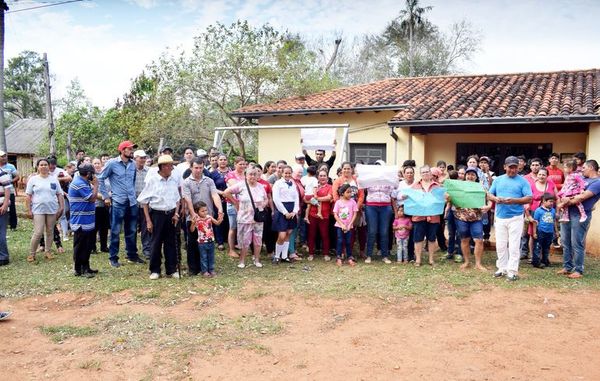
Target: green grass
x=60, y=333
x=317, y=278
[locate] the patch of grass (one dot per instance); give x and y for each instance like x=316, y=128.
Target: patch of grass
x=91, y=364
x=317, y=278
x=257, y=324
x=60, y=333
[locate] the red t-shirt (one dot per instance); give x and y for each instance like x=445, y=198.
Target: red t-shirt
x=556, y=175
x=266, y=184
x=321, y=191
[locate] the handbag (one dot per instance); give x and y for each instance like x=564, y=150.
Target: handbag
x=259, y=215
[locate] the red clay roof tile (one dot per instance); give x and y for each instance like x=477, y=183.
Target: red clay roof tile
x=552, y=94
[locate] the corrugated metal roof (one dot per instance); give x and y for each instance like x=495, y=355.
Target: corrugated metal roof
x=25, y=135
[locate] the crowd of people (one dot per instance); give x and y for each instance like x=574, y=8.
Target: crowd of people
x=204, y=204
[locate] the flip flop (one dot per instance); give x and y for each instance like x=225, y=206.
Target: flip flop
x=5, y=315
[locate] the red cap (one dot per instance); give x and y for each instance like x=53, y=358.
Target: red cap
x=126, y=144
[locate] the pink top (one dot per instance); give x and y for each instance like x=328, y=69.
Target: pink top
x=573, y=186
x=245, y=212
x=537, y=194
x=345, y=210
x=402, y=222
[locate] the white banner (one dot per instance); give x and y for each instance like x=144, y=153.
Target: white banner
x=318, y=138
x=372, y=175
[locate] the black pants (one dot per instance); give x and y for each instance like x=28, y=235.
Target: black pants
x=193, y=253
x=145, y=236
x=12, y=212
x=441, y=237
x=57, y=240
x=269, y=236
x=83, y=242
x=102, y=227
x=163, y=237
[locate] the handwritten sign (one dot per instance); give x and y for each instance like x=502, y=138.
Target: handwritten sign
x=373, y=175
x=318, y=138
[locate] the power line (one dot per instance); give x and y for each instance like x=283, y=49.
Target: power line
x=45, y=6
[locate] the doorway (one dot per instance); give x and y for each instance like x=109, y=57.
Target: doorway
x=497, y=152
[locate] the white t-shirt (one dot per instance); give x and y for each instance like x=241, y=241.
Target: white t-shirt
x=43, y=193
x=310, y=183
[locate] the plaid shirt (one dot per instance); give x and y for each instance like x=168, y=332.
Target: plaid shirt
x=140, y=177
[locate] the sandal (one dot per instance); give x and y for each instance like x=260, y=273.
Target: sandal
x=417, y=264
x=31, y=258
x=61, y=250
x=49, y=255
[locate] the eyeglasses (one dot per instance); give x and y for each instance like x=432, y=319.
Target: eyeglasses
x=424, y=172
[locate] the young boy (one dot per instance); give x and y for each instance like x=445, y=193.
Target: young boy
x=543, y=232
x=310, y=184
x=206, y=239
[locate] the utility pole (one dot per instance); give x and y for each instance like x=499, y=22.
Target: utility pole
x=49, y=117
x=4, y=7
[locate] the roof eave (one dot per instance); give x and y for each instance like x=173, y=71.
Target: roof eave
x=488, y=121
x=259, y=114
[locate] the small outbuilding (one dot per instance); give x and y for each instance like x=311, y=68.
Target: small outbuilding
x=23, y=140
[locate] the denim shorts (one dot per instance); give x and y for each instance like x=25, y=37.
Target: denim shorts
x=232, y=215
x=424, y=229
x=473, y=229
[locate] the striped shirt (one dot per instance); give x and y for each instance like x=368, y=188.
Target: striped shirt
x=82, y=205
x=5, y=183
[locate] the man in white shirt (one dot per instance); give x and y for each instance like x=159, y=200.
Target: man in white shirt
x=160, y=201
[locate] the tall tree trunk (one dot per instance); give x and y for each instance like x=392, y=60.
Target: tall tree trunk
x=411, y=67
x=333, y=55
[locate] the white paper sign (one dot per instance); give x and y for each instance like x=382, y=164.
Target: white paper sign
x=318, y=138
x=372, y=175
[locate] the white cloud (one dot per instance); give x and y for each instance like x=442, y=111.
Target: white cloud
x=146, y=4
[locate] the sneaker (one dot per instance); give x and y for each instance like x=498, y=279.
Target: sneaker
x=368, y=260
x=326, y=258
x=241, y=265
x=449, y=256
x=136, y=260
x=539, y=266
x=338, y=262
x=174, y=275
x=458, y=258
x=153, y=276
x=499, y=274
x=512, y=278
x=115, y=263
x=258, y=264
x=275, y=260
x=88, y=275
x=4, y=262
x=5, y=314
x=386, y=260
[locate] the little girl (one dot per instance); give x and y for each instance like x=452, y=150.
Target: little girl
x=573, y=186
x=344, y=211
x=402, y=227
x=206, y=239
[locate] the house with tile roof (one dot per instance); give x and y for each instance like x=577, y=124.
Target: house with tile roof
x=446, y=118
x=23, y=140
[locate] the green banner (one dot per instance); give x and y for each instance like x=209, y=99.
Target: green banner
x=465, y=194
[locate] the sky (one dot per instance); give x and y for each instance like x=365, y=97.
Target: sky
x=107, y=43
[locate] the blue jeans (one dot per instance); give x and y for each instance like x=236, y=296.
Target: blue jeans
x=126, y=215
x=207, y=257
x=453, y=236
x=3, y=245
x=572, y=236
x=541, y=248
x=378, y=223
x=343, y=239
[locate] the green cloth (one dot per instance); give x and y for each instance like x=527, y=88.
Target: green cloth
x=465, y=194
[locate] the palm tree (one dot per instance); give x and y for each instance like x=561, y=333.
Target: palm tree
x=412, y=18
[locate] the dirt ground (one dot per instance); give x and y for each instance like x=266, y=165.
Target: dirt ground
x=493, y=335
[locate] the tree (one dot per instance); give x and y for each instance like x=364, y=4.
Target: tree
x=410, y=21
x=24, y=86
x=238, y=65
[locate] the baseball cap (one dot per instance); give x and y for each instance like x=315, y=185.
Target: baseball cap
x=201, y=153
x=471, y=169
x=166, y=148
x=2, y=153
x=300, y=156
x=84, y=169
x=126, y=144
x=511, y=160
x=139, y=153
x=484, y=158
